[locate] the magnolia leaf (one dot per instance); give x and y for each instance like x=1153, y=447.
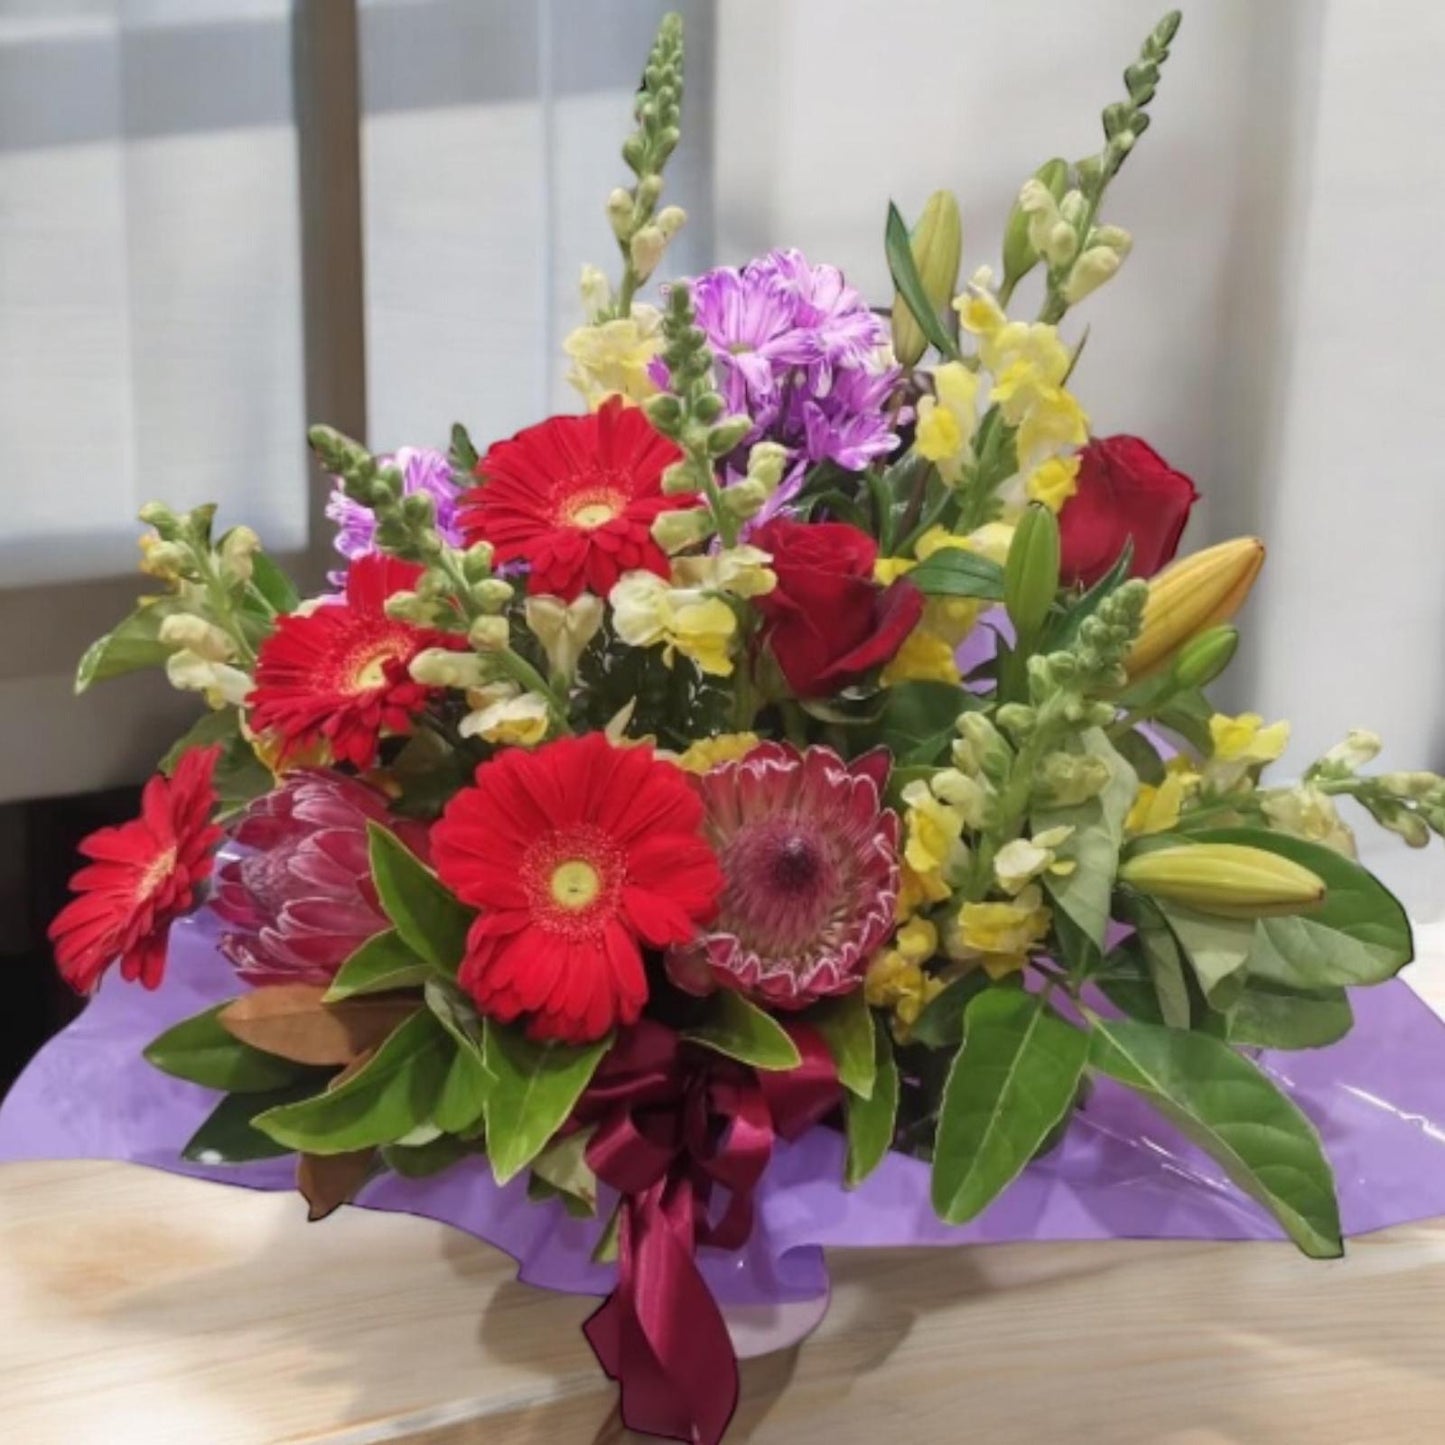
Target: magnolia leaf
x=563, y=1164
x=380, y=1102
x=379, y=965
x=293, y=1021
x=1159, y=949
x=201, y=1051
x=1086, y=893
x=1012, y=1081
x=742, y=1031
x=464, y=1092
x=918, y=720
x=898, y=248
x=1359, y=935
x=1224, y=1104
x=327, y=1181
x=846, y=1024
x=134, y=644
x=1215, y=946
x=940, y=1025
x=1269, y=1017
x=227, y=1136
x=870, y=1122
x=425, y=913
x=533, y=1090
x=953, y=572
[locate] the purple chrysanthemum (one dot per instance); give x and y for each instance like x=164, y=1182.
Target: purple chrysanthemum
x=810, y=859
x=800, y=353
x=422, y=470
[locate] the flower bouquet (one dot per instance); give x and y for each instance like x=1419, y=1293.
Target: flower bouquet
x=792, y=772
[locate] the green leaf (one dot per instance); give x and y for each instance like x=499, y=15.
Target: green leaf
x=563, y=1164
x=1224, y=1104
x=1125, y=982
x=953, y=572
x=464, y=1093
x=134, y=644
x=1269, y=1017
x=940, y=1025
x=742, y=1031
x=898, y=248
x=1160, y=953
x=870, y=1122
x=1086, y=893
x=222, y=726
x=425, y=913
x=227, y=1136
x=421, y=1161
x=381, y=1103
x=200, y=1051
x=273, y=584
x=535, y=1087
x=1215, y=947
x=847, y=1027
x=382, y=963
x=1013, y=1080
x=918, y=720
x=1359, y=935
x=1188, y=714
x=1141, y=755
x=462, y=453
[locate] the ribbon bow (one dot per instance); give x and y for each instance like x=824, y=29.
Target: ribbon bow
x=673, y=1122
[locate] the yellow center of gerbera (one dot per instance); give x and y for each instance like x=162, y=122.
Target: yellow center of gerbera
x=368, y=670
x=159, y=870
x=575, y=884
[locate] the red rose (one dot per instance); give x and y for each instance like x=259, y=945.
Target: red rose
x=1126, y=490
x=827, y=621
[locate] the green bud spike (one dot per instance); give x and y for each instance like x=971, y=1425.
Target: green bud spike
x=1019, y=255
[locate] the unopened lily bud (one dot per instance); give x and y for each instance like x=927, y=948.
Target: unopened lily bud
x=1203, y=658
x=490, y=634
x=670, y=220
x=237, y=548
x=619, y=212
x=646, y=250
x=493, y=593
x=1360, y=746
x=1031, y=574
x=1061, y=244
x=1090, y=271
x=1228, y=879
x=195, y=634
x=728, y=435
x=441, y=667
x=1195, y=593
x=1020, y=255
x=676, y=531
x=937, y=247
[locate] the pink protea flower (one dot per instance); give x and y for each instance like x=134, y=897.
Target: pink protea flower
x=810, y=859
x=301, y=902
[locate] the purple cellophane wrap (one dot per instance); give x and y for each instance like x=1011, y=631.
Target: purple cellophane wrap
x=1378, y=1098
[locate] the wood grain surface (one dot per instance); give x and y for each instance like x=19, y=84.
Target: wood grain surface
x=136, y=1308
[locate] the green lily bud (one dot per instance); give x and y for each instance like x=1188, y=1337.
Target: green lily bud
x=1204, y=657
x=937, y=246
x=1224, y=878
x=1031, y=572
x=1019, y=254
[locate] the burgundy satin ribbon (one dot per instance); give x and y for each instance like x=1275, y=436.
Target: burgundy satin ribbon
x=673, y=1122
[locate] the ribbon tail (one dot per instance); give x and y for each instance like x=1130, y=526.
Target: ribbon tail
x=660, y=1333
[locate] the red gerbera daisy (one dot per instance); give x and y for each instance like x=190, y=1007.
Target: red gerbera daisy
x=144, y=876
x=338, y=676
x=578, y=853
x=575, y=498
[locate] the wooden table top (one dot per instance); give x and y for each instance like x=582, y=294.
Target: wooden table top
x=137, y=1307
